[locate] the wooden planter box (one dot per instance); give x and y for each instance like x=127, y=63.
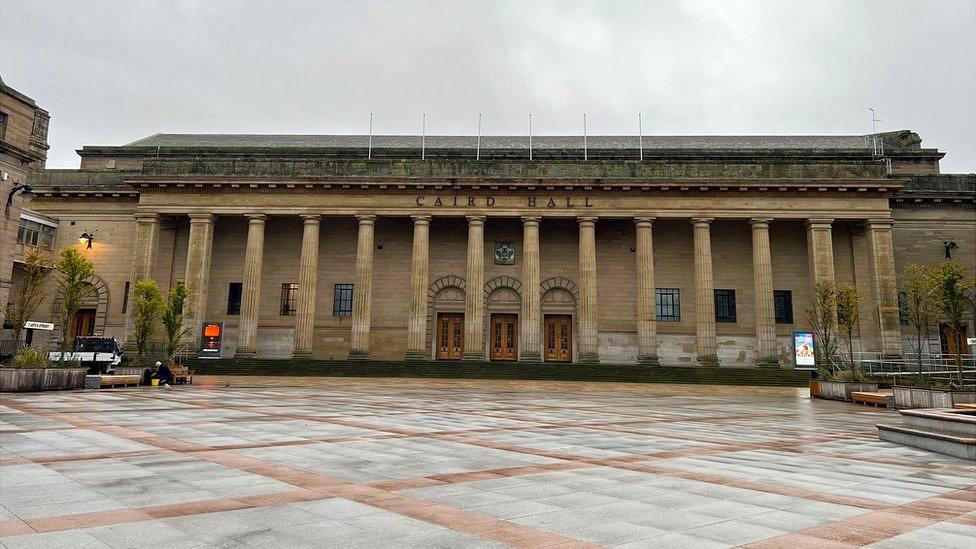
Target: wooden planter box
x=841, y=390
x=918, y=397
x=15, y=380
x=814, y=388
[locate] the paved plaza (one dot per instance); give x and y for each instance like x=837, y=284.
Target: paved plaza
x=290, y=462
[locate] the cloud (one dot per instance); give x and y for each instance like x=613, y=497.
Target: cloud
x=113, y=71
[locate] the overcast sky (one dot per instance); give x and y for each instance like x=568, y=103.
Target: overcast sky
x=112, y=72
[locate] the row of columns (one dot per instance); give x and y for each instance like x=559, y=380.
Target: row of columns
x=820, y=253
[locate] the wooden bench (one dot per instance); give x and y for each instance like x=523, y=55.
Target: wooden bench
x=876, y=399
x=106, y=380
x=182, y=374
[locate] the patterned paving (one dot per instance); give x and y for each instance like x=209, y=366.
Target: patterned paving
x=400, y=463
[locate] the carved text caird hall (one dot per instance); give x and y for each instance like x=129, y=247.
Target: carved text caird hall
x=703, y=252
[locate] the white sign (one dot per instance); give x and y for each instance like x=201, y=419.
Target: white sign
x=32, y=325
x=971, y=341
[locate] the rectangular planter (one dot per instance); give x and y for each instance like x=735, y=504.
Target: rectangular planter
x=841, y=390
x=918, y=397
x=15, y=380
x=814, y=388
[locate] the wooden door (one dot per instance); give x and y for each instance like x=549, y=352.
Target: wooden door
x=559, y=338
x=950, y=345
x=450, y=336
x=504, y=337
x=84, y=323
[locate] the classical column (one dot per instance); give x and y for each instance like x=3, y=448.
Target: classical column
x=589, y=342
x=197, y=276
x=820, y=250
x=474, y=300
x=247, y=336
x=646, y=312
x=308, y=274
x=362, y=301
x=531, y=321
x=884, y=283
x=419, y=273
x=762, y=276
x=143, y=261
x=705, y=345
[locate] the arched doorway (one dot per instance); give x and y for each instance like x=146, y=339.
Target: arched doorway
x=445, y=317
x=503, y=303
x=559, y=298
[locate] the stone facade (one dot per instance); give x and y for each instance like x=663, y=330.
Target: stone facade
x=592, y=241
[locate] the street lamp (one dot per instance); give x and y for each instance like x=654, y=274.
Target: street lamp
x=87, y=237
x=25, y=191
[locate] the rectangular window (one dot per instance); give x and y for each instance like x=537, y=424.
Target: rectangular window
x=125, y=298
x=724, y=305
x=289, y=298
x=3, y=124
x=33, y=233
x=667, y=304
x=234, y=291
x=903, y=308
x=342, y=300
x=783, y=306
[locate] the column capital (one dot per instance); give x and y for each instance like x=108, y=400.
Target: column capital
x=531, y=220
x=588, y=221
x=819, y=223
x=475, y=219
x=879, y=223
x=201, y=217
x=146, y=216
x=420, y=219
x=311, y=219
x=702, y=221
x=366, y=219
x=644, y=221
x=255, y=218
x=760, y=222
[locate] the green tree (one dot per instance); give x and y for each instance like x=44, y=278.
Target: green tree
x=173, y=318
x=28, y=290
x=919, y=304
x=951, y=302
x=73, y=287
x=848, y=298
x=148, y=301
x=821, y=315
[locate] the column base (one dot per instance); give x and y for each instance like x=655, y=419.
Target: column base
x=358, y=354
x=648, y=360
x=301, y=354
x=416, y=355
x=589, y=358
x=709, y=361
x=472, y=356
x=243, y=352
x=768, y=362
x=530, y=356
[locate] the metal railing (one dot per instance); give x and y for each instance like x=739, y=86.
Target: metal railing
x=933, y=367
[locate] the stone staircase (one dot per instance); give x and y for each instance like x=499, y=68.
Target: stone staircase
x=946, y=431
x=502, y=370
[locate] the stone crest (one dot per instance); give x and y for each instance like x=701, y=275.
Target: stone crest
x=504, y=253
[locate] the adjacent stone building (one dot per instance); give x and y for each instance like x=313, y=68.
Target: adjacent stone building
x=23, y=149
x=661, y=250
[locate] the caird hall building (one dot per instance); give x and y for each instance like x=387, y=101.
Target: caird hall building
x=674, y=251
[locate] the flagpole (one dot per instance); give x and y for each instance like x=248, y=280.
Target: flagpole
x=478, y=153
x=585, y=156
x=423, y=136
x=530, y=136
x=369, y=149
x=640, y=136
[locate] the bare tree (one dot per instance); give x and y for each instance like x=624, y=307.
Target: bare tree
x=947, y=279
x=822, y=317
x=848, y=298
x=919, y=304
x=28, y=290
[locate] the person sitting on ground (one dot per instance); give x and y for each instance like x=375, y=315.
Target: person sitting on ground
x=163, y=374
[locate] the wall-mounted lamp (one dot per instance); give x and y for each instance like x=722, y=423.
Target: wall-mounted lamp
x=26, y=192
x=949, y=246
x=87, y=237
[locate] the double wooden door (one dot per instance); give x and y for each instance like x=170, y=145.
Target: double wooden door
x=559, y=338
x=504, y=337
x=84, y=323
x=450, y=336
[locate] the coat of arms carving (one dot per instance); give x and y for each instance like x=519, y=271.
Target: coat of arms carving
x=504, y=253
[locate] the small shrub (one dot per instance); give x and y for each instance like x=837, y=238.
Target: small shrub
x=848, y=375
x=29, y=357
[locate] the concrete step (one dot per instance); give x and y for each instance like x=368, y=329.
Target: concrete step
x=946, y=431
x=939, y=421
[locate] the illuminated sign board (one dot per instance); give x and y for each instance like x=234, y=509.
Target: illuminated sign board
x=211, y=336
x=803, y=350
